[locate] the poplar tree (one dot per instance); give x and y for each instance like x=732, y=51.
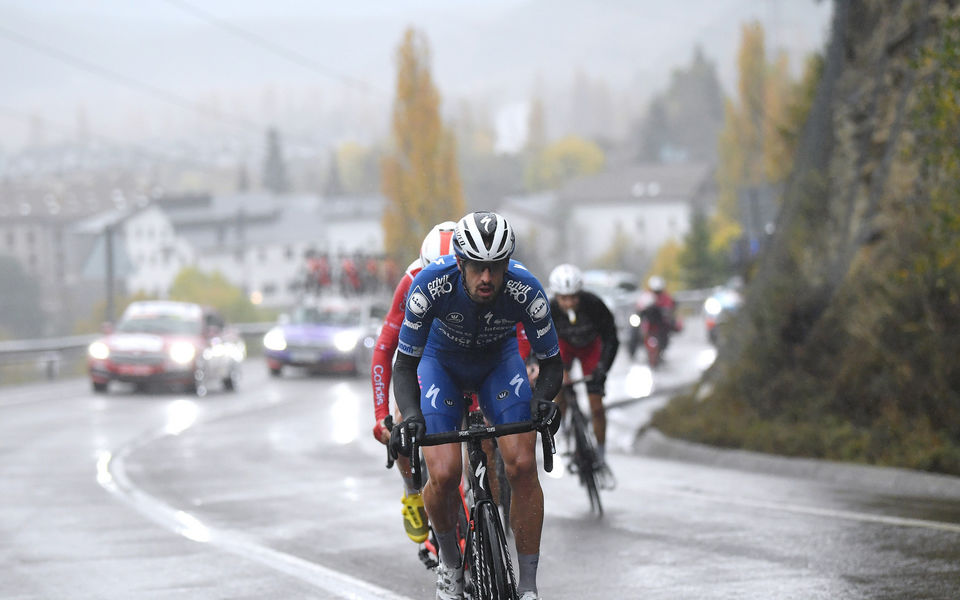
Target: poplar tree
x=420, y=177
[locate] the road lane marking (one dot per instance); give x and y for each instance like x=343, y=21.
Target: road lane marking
x=819, y=512
x=111, y=475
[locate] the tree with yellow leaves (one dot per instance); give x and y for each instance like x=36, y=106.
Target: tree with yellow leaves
x=758, y=140
x=420, y=176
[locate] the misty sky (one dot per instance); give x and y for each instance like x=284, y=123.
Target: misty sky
x=130, y=66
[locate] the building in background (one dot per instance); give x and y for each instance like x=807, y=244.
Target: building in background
x=619, y=218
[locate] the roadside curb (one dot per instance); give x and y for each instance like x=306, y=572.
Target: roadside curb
x=651, y=442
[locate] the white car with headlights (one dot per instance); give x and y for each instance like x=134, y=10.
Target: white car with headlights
x=333, y=335
x=167, y=343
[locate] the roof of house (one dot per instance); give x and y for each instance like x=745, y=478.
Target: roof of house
x=632, y=183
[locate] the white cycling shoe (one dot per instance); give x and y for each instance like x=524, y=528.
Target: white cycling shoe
x=450, y=583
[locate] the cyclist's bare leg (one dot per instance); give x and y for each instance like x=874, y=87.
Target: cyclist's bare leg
x=599, y=416
x=526, y=508
x=441, y=494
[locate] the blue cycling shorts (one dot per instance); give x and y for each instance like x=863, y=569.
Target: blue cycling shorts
x=498, y=376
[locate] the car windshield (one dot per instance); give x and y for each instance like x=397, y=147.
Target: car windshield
x=312, y=315
x=160, y=324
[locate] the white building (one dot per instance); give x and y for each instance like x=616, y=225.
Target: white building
x=258, y=241
x=641, y=207
x=147, y=253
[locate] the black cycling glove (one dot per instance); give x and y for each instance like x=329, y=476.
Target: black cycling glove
x=546, y=414
x=411, y=429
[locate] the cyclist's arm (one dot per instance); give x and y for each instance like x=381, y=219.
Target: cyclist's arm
x=406, y=387
x=550, y=378
x=608, y=335
x=381, y=366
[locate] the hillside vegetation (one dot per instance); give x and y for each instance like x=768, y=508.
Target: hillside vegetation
x=849, y=342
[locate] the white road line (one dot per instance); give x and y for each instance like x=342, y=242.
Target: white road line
x=111, y=475
x=819, y=512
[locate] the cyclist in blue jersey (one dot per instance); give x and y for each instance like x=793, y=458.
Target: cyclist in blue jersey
x=459, y=333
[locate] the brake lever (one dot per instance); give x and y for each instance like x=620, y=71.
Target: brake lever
x=388, y=425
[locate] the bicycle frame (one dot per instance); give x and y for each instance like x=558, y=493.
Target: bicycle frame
x=584, y=454
x=486, y=555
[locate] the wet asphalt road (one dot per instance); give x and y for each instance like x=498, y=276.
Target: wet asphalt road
x=279, y=491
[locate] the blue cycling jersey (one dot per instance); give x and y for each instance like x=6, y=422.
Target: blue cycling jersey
x=440, y=312
x=466, y=346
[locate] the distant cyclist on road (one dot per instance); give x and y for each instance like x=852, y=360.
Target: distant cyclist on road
x=435, y=244
x=459, y=334
x=587, y=332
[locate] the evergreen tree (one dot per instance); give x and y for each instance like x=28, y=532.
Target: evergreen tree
x=701, y=268
x=333, y=186
x=683, y=122
x=420, y=176
x=274, y=169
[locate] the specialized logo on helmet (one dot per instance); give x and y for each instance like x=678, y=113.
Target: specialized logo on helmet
x=486, y=221
x=518, y=290
x=539, y=308
x=440, y=285
x=418, y=303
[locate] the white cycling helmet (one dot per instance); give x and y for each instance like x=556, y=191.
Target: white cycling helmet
x=437, y=243
x=565, y=280
x=656, y=283
x=484, y=237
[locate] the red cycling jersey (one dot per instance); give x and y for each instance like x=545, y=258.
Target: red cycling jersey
x=381, y=368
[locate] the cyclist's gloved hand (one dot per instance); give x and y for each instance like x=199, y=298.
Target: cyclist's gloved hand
x=401, y=440
x=546, y=413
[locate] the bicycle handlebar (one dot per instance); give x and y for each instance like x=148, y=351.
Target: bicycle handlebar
x=474, y=432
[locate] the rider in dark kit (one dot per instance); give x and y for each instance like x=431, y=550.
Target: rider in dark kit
x=459, y=333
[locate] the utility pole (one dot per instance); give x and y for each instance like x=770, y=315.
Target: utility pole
x=108, y=251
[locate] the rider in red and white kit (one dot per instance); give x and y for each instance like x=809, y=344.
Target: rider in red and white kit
x=437, y=243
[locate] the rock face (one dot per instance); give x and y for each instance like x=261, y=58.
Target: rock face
x=850, y=323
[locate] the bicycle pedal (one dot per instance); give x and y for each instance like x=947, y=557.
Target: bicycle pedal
x=427, y=559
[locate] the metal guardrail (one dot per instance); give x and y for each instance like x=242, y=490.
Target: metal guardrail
x=49, y=354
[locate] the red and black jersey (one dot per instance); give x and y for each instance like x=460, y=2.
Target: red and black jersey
x=591, y=320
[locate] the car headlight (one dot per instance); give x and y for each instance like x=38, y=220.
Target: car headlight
x=182, y=352
x=274, y=340
x=99, y=351
x=345, y=341
x=634, y=320
x=712, y=306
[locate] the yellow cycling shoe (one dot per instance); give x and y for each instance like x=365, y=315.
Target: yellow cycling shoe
x=414, y=517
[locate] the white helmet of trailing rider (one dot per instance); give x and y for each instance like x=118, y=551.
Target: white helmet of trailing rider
x=565, y=280
x=655, y=283
x=484, y=237
x=437, y=243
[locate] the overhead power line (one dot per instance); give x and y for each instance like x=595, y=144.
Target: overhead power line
x=127, y=81
x=30, y=118
x=266, y=44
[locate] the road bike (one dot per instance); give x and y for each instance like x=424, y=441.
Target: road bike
x=429, y=551
x=584, y=459
x=486, y=558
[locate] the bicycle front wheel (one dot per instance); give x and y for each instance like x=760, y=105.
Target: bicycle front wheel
x=586, y=459
x=492, y=571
